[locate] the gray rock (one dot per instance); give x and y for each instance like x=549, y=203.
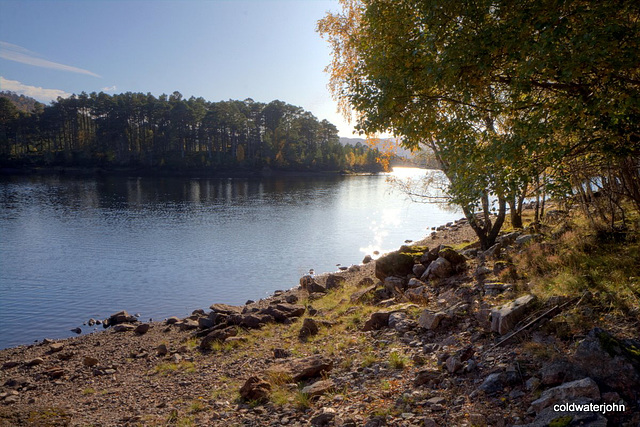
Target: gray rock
x=335, y=281
x=123, y=327
x=324, y=417
x=187, y=325
x=430, y=320
x=206, y=322
x=549, y=416
x=452, y=256
x=394, y=284
x=418, y=295
x=611, y=362
x=400, y=322
x=89, y=361
x=378, y=320
x=172, y=320
x=482, y=270
x=493, y=289
x=306, y=367
x=509, y=238
x=493, y=252
x=527, y=238
x=427, y=376
x=35, y=362
x=440, y=268
x=397, y=263
x=217, y=335
x=318, y=388
x=567, y=392
x=120, y=317
x=226, y=309
x=362, y=294
x=504, y=318
x=419, y=269
x=454, y=364
x=496, y=382
x=281, y=353
x=254, y=321
x=315, y=287
x=291, y=310
x=561, y=371
x=255, y=389
x=141, y=329
x=415, y=283
x=56, y=347
x=309, y=328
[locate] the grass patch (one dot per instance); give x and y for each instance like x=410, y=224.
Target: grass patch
x=397, y=360
x=49, y=417
x=302, y=400
x=172, y=368
x=368, y=360
x=88, y=391
x=581, y=259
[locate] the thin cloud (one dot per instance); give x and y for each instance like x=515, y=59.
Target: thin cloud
x=109, y=89
x=17, y=53
x=41, y=94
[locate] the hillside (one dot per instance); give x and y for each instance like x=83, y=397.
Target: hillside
x=23, y=103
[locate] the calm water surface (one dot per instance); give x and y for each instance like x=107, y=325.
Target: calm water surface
x=76, y=248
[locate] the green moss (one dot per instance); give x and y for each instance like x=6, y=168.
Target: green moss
x=561, y=421
x=49, y=417
x=615, y=347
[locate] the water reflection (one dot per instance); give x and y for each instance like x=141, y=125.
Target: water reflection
x=75, y=248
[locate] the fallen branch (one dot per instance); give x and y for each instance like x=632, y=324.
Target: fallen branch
x=552, y=312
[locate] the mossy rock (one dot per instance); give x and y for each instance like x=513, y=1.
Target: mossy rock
x=398, y=263
x=615, y=347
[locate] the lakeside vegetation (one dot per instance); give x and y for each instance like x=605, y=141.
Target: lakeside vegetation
x=170, y=133
x=516, y=100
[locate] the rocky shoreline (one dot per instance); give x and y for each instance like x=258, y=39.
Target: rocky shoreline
x=430, y=335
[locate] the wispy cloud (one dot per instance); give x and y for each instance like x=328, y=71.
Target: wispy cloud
x=41, y=94
x=17, y=53
x=109, y=89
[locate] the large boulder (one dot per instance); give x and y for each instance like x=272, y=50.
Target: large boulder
x=398, y=263
x=453, y=256
x=440, y=268
x=611, y=362
x=585, y=388
x=504, y=318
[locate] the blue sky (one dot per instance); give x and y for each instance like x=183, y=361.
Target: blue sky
x=262, y=49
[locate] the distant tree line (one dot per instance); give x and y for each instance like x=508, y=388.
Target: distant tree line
x=172, y=133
